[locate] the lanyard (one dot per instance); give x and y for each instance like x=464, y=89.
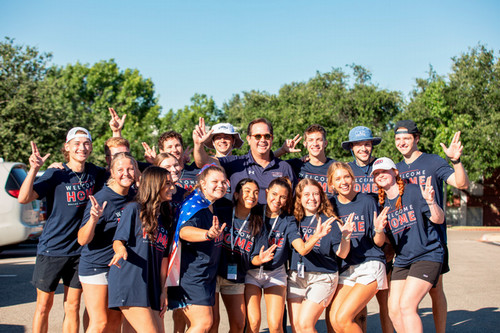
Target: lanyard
x=312, y=220
x=274, y=223
x=233, y=241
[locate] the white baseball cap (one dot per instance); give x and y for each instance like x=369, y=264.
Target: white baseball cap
x=383, y=163
x=73, y=134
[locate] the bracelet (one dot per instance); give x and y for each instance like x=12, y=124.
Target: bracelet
x=346, y=238
x=455, y=161
x=207, y=237
x=378, y=231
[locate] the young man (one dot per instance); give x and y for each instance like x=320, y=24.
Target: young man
x=171, y=142
x=416, y=168
x=224, y=139
x=316, y=166
x=360, y=144
x=67, y=192
x=259, y=164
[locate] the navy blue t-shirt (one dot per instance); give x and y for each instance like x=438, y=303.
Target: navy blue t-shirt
x=322, y=258
x=97, y=254
x=239, y=167
x=413, y=236
x=285, y=231
x=177, y=199
x=307, y=170
x=243, y=246
x=138, y=281
x=364, y=180
x=187, y=180
x=362, y=246
x=429, y=165
x=199, y=261
x=66, y=193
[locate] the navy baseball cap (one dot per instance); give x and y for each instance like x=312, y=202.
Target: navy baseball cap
x=411, y=127
x=360, y=133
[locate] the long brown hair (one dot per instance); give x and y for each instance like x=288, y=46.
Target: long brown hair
x=325, y=207
x=286, y=183
x=255, y=221
x=153, y=180
x=382, y=194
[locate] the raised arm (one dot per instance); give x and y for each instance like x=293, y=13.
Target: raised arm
x=459, y=178
x=379, y=223
x=289, y=146
x=322, y=230
x=26, y=193
x=86, y=233
x=116, y=123
x=194, y=234
x=437, y=214
x=345, y=244
x=200, y=136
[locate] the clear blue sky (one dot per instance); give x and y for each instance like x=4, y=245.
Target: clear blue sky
x=220, y=48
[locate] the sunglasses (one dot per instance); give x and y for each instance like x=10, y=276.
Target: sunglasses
x=260, y=136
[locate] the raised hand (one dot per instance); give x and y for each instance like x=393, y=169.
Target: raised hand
x=200, y=135
x=428, y=191
x=380, y=221
x=96, y=210
x=149, y=153
x=348, y=227
x=36, y=160
x=215, y=230
x=56, y=165
x=454, y=151
x=267, y=255
x=116, y=123
x=289, y=146
x=324, y=228
x=186, y=157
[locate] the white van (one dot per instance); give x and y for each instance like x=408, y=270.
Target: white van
x=18, y=222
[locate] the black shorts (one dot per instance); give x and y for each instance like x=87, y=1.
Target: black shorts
x=49, y=271
x=446, y=260
x=423, y=270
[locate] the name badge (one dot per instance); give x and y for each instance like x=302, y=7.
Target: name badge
x=232, y=272
x=300, y=270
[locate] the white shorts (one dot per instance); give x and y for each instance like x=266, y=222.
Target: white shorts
x=227, y=287
x=100, y=279
x=272, y=278
x=315, y=287
x=365, y=273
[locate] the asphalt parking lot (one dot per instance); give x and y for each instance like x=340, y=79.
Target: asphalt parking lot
x=472, y=288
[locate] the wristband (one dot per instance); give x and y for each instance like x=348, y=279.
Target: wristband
x=455, y=161
x=346, y=238
x=207, y=237
x=378, y=231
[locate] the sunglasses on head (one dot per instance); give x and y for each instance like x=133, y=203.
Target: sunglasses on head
x=260, y=136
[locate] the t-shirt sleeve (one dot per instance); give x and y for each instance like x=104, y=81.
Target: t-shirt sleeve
x=46, y=183
x=444, y=170
x=86, y=214
x=126, y=227
x=292, y=231
x=194, y=221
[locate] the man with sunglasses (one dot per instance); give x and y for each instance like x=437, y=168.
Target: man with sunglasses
x=259, y=164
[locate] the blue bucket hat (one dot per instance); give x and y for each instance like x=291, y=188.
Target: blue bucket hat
x=360, y=133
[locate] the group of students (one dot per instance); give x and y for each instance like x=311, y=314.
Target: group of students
x=300, y=231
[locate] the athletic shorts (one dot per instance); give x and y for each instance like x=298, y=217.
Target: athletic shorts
x=98, y=279
x=365, y=273
x=50, y=270
x=314, y=286
x=425, y=270
x=446, y=260
x=227, y=287
x=272, y=278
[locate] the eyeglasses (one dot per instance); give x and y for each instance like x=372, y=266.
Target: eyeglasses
x=260, y=136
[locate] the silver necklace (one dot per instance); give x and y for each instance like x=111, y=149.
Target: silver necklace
x=79, y=178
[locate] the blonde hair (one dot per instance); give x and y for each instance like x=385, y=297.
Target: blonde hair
x=336, y=166
x=121, y=156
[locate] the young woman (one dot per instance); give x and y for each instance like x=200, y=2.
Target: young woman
x=170, y=162
x=363, y=270
x=243, y=230
x=138, y=268
x=96, y=236
x=412, y=216
x=200, y=237
x=313, y=277
x=67, y=192
x=281, y=230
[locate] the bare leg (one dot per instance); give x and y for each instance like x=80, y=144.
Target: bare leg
x=44, y=302
x=180, y=321
x=275, y=307
x=414, y=290
x=253, y=295
x=199, y=318
x=308, y=316
x=142, y=319
x=395, y=292
x=71, y=322
x=351, y=301
x=385, y=321
x=216, y=315
x=439, y=306
x=96, y=304
x=235, y=306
